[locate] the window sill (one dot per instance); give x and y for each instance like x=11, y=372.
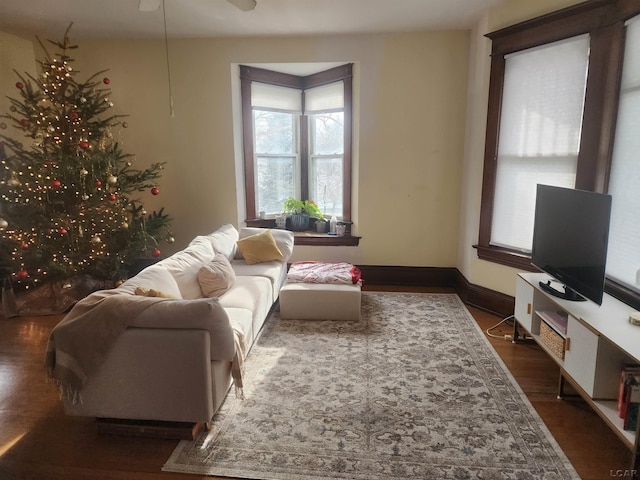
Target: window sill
x=522, y=261
x=310, y=237
x=324, y=239
x=506, y=257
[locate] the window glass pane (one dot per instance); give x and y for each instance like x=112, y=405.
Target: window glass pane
x=623, y=259
x=540, y=126
x=515, y=201
x=326, y=184
x=275, y=182
x=326, y=166
x=327, y=133
x=274, y=132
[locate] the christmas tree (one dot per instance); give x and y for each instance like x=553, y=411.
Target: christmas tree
x=67, y=190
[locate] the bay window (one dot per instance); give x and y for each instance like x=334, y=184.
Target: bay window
x=297, y=140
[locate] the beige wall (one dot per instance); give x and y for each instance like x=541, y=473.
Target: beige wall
x=410, y=113
x=480, y=272
x=420, y=113
x=15, y=54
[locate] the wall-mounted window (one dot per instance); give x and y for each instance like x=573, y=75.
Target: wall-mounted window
x=556, y=110
x=542, y=104
x=623, y=258
x=297, y=139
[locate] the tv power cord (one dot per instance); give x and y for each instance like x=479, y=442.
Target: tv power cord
x=504, y=337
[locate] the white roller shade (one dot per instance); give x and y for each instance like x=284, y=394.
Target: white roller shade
x=623, y=258
x=324, y=98
x=273, y=97
x=540, y=127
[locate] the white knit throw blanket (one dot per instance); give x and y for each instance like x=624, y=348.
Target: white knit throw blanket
x=237, y=365
x=80, y=342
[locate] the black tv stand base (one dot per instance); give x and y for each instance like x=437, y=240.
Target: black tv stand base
x=567, y=294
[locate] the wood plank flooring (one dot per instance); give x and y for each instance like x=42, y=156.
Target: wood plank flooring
x=38, y=441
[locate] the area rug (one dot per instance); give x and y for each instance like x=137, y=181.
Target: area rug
x=412, y=391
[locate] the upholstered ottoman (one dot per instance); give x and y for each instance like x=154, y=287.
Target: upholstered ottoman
x=321, y=291
x=313, y=301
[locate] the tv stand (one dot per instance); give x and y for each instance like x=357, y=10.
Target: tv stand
x=589, y=343
x=567, y=294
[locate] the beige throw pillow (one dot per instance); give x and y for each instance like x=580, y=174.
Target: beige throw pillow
x=259, y=248
x=216, y=277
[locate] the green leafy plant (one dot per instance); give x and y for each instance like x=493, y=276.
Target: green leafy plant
x=309, y=207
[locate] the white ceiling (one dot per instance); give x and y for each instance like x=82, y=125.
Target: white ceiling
x=122, y=19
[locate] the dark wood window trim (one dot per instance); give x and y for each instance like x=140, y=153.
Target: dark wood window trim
x=604, y=21
x=250, y=74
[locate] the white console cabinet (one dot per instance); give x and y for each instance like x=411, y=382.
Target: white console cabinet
x=597, y=342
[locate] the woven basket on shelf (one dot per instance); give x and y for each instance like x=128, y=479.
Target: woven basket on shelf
x=552, y=340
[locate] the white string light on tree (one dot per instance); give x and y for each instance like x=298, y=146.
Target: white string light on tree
x=68, y=188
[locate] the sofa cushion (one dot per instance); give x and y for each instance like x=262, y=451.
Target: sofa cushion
x=200, y=248
x=275, y=271
x=184, y=267
x=224, y=240
x=284, y=240
x=250, y=293
x=216, y=277
x=259, y=248
x=154, y=277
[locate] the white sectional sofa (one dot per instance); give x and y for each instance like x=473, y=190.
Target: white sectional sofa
x=172, y=362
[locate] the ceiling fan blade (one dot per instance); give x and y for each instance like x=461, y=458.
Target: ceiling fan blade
x=244, y=5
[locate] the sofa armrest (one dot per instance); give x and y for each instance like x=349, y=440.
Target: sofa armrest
x=199, y=314
x=153, y=374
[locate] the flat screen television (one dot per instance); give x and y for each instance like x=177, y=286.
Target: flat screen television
x=570, y=237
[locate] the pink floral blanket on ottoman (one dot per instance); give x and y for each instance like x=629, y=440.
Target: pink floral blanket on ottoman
x=324, y=272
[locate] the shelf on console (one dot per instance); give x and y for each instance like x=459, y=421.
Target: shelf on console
x=609, y=413
x=555, y=320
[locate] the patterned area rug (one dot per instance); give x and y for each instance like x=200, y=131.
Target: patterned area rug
x=414, y=390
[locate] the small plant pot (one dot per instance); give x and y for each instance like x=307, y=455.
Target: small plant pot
x=299, y=222
x=281, y=221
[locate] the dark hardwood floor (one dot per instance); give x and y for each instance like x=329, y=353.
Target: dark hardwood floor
x=38, y=441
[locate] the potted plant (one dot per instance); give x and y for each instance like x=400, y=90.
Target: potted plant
x=300, y=211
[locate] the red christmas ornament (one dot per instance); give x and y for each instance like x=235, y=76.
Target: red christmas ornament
x=74, y=115
x=113, y=197
x=62, y=231
x=155, y=191
x=155, y=253
x=56, y=183
x=106, y=81
x=24, y=122
x=22, y=274
x=24, y=246
x=98, y=183
x=83, y=144
x=19, y=85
